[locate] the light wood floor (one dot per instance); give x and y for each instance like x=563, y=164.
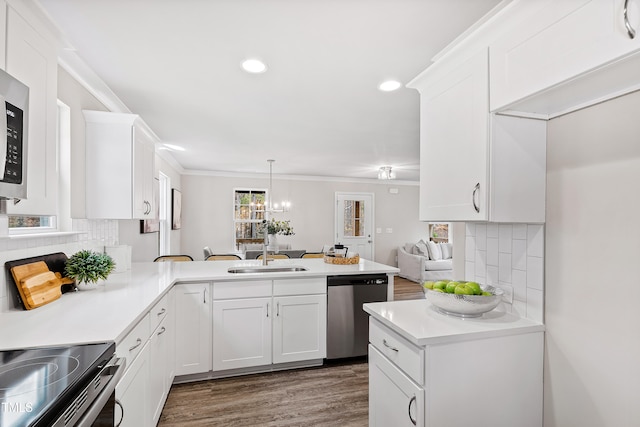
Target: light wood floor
x=335, y=394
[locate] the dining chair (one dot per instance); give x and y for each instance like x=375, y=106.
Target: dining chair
x=164, y=258
x=275, y=256
x=222, y=257
x=312, y=255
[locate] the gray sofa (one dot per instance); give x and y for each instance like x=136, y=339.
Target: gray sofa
x=416, y=264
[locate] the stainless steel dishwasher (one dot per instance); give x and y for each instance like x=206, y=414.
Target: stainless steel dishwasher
x=347, y=322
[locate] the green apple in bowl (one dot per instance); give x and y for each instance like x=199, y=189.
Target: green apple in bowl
x=440, y=284
x=428, y=284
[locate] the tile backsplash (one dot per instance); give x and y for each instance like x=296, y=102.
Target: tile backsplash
x=87, y=234
x=510, y=256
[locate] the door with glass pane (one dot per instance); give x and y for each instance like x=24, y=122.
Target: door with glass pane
x=354, y=222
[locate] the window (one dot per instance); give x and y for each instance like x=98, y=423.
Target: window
x=30, y=222
x=248, y=213
x=439, y=232
x=354, y=218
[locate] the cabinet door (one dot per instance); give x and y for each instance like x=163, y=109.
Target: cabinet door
x=558, y=41
x=143, y=174
x=33, y=60
x=394, y=400
x=193, y=328
x=158, y=389
x=453, y=143
x=133, y=393
x=241, y=333
x=299, y=328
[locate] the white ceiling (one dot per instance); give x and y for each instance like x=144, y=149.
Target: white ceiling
x=317, y=109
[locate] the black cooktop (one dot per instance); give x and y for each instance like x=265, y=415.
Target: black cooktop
x=37, y=383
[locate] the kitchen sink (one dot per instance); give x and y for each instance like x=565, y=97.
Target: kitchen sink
x=265, y=269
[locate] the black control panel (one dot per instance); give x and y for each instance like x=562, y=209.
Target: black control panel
x=13, y=163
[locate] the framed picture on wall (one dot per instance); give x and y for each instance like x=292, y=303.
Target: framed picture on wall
x=176, y=209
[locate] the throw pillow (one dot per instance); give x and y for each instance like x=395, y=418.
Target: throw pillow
x=447, y=250
x=422, y=249
x=434, y=251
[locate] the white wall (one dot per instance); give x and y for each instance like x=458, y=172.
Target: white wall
x=207, y=213
x=592, y=373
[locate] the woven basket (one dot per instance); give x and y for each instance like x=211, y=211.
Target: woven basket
x=342, y=260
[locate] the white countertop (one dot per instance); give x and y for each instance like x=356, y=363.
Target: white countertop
x=419, y=322
x=110, y=311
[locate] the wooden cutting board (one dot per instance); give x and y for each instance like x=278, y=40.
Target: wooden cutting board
x=36, y=284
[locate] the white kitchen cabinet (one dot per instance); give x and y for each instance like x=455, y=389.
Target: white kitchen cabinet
x=299, y=328
x=560, y=41
x=241, y=333
x=132, y=392
x=120, y=158
x=260, y=322
x=192, y=328
x=158, y=362
x=457, y=376
x=32, y=59
x=394, y=400
x=475, y=166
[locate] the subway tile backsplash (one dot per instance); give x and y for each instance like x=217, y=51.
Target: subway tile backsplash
x=88, y=234
x=510, y=256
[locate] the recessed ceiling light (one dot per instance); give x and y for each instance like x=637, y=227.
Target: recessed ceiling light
x=173, y=147
x=389, y=85
x=254, y=66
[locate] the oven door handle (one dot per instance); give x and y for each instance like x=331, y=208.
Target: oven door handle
x=116, y=370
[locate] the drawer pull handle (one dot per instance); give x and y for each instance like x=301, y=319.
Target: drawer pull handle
x=630, y=31
x=476, y=206
x=162, y=330
x=384, y=341
x=161, y=312
x=267, y=309
x=204, y=296
x=413, y=399
x=121, y=412
x=138, y=343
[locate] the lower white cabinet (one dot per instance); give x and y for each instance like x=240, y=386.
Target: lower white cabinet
x=192, y=328
x=241, y=333
x=475, y=380
x=394, y=400
x=299, y=328
x=158, y=366
x=257, y=323
x=132, y=393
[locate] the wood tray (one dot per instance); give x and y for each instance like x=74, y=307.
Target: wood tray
x=43, y=286
x=342, y=260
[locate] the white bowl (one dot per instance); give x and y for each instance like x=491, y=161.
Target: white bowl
x=465, y=305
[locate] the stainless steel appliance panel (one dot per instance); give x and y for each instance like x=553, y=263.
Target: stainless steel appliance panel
x=347, y=322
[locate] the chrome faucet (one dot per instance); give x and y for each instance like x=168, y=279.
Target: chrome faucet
x=265, y=260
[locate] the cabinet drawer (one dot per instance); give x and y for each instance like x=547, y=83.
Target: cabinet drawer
x=408, y=357
x=310, y=286
x=135, y=340
x=242, y=289
x=159, y=311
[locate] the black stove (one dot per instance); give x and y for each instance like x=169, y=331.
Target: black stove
x=38, y=386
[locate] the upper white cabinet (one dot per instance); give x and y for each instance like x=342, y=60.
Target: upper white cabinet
x=475, y=166
x=564, y=55
x=31, y=57
x=120, y=158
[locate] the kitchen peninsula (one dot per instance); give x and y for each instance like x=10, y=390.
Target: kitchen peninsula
x=185, y=321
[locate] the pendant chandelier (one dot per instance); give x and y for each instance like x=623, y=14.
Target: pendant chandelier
x=271, y=207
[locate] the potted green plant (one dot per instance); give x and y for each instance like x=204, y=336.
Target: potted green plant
x=274, y=228
x=87, y=267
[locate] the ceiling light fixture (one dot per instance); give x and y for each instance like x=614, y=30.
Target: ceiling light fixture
x=173, y=147
x=254, y=66
x=389, y=85
x=385, y=172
